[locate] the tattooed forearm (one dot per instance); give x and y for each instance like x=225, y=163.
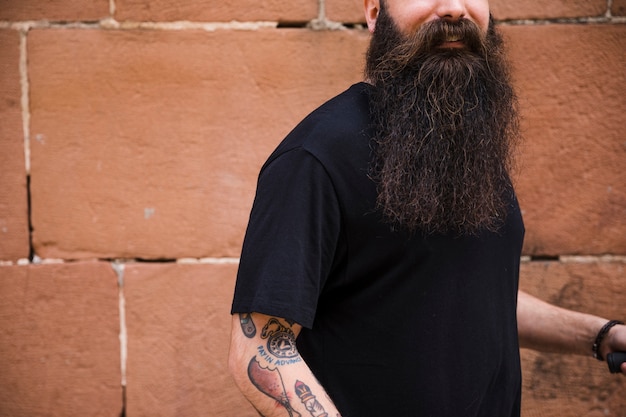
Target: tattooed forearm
x=247, y=325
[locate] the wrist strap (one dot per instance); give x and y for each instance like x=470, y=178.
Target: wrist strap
x=603, y=331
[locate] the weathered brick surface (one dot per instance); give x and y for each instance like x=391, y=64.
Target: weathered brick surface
x=571, y=181
x=148, y=144
x=618, y=8
x=178, y=319
x=54, y=10
x=574, y=386
x=197, y=10
x=352, y=10
x=348, y=11
x=59, y=345
x=538, y=9
x=13, y=196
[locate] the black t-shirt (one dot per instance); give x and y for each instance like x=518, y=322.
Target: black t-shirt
x=395, y=324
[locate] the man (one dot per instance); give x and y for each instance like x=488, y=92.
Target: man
x=379, y=274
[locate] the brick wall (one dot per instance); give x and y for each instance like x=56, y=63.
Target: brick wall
x=131, y=134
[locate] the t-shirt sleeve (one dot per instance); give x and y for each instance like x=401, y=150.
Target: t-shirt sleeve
x=291, y=239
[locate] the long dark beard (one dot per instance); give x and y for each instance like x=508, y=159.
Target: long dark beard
x=445, y=121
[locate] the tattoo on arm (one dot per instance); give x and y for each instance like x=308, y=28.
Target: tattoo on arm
x=247, y=325
x=308, y=399
x=281, y=341
x=270, y=382
x=281, y=350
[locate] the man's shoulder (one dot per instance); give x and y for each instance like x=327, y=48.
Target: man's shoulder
x=353, y=101
x=340, y=115
x=337, y=126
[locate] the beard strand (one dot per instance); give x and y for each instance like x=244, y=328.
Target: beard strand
x=444, y=123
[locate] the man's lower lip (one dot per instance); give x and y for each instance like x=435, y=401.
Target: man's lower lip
x=453, y=44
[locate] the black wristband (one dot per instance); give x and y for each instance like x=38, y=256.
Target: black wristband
x=603, y=331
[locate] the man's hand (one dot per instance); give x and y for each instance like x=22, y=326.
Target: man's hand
x=615, y=341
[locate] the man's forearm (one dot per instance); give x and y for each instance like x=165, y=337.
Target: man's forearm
x=272, y=391
x=270, y=372
x=549, y=328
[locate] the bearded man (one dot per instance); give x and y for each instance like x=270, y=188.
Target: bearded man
x=379, y=273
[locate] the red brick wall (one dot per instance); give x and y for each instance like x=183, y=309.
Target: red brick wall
x=133, y=131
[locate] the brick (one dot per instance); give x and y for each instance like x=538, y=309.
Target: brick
x=54, y=10
x=59, y=345
x=346, y=11
x=178, y=321
x=351, y=11
x=573, y=386
x=14, y=239
x=537, y=9
x=148, y=143
x=222, y=11
x=571, y=176
x=618, y=8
